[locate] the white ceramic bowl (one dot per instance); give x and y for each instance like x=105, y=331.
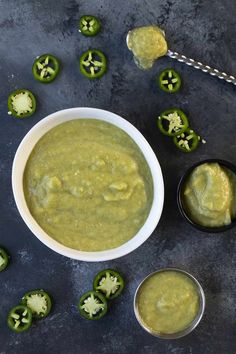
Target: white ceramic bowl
x=22, y=156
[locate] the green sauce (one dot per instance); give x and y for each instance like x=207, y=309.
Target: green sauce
x=147, y=44
x=168, y=302
x=209, y=195
x=88, y=185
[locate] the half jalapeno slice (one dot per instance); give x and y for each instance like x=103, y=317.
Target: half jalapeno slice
x=21, y=103
x=89, y=25
x=187, y=141
x=169, y=81
x=39, y=302
x=172, y=122
x=46, y=68
x=4, y=259
x=19, y=318
x=92, y=305
x=93, y=64
x=109, y=282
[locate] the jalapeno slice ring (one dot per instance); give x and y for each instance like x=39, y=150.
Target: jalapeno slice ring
x=109, y=282
x=172, y=122
x=169, y=81
x=46, y=68
x=187, y=141
x=19, y=318
x=92, y=305
x=4, y=259
x=21, y=103
x=89, y=25
x=93, y=64
x=39, y=302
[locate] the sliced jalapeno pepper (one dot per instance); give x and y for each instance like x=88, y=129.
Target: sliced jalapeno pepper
x=169, y=81
x=93, y=64
x=21, y=103
x=89, y=25
x=4, y=259
x=172, y=122
x=19, y=318
x=46, y=68
x=109, y=282
x=92, y=305
x=187, y=141
x=39, y=302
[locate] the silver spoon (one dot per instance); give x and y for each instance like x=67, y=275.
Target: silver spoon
x=200, y=66
x=196, y=64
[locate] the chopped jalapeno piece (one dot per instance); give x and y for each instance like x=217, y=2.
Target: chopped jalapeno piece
x=46, y=68
x=187, y=141
x=109, y=282
x=93, y=64
x=39, y=302
x=4, y=259
x=169, y=81
x=19, y=318
x=89, y=25
x=92, y=305
x=21, y=103
x=172, y=122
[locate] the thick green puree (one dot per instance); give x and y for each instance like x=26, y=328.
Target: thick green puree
x=168, y=302
x=147, y=44
x=209, y=195
x=88, y=186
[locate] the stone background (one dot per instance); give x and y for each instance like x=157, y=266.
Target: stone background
x=204, y=30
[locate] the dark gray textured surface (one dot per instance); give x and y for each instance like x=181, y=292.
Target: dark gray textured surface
x=204, y=30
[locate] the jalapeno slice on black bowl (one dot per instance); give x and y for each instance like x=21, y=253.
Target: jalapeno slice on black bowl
x=187, y=141
x=4, y=259
x=93, y=64
x=19, y=318
x=39, y=302
x=172, y=122
x=169, y=81
x=21, y=103
x=89, y=25
x=92, y=305
x=46, y=68
x=109, y=282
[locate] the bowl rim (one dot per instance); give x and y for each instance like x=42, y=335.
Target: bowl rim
x=192, y=325
x=26, y=146
x=181, y=183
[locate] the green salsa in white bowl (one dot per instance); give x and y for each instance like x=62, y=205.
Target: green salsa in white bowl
x=88, y=184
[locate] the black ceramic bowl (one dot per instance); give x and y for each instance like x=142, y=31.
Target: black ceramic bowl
x=181, y=184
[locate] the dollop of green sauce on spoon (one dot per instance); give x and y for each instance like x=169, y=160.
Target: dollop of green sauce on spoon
x=147, y=45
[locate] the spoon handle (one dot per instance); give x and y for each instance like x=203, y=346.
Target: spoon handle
x=204, y=68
